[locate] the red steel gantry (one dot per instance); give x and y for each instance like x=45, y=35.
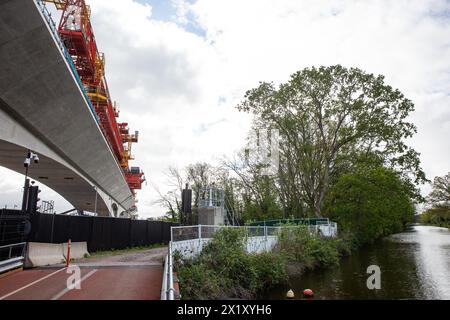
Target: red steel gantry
x=75, y=30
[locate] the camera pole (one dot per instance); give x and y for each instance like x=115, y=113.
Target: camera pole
x=25, y=187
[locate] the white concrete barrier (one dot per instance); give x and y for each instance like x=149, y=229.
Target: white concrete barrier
x=44, y=254
x=78, y=250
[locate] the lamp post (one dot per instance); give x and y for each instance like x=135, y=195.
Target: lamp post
x=31, y=157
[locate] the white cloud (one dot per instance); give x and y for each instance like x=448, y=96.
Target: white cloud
x=179, y=88
x=11, y=191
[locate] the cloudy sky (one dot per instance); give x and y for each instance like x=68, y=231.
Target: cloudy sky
x=178, y=68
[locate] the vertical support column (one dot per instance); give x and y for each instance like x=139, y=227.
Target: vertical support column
x=265, y=237
x=53, y=225
x=25, y=193
x=200, y=242
x=95, y=204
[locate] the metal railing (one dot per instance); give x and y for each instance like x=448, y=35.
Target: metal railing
x=182, y=233
x=165, y=278
x=167, y=289
x=52, y=25
x=171, y=290
x=14, y=258
x=296, y=221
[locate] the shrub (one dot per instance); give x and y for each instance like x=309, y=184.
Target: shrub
x=270, y=268
x=371, y=205
x=199, y=282
x=309, y=250
x=225, y=269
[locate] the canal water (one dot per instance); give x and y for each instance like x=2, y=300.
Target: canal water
x=414, y=264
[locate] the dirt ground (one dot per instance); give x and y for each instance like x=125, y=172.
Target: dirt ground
x=154, y=257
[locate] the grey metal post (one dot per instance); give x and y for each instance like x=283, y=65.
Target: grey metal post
x=265, y=236
x=53, y=223
x=25, y=192
x=95, y=204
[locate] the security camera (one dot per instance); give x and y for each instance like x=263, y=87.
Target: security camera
x=36, y=158
x=27, y=162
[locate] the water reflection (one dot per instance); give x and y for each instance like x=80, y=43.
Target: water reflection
x=414, y=265
x=433, y=260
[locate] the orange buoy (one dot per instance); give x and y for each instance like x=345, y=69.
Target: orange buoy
x=308, y=293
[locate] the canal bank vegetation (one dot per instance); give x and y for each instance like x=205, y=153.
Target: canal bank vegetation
x=341, y=143
x=439, y=216
x=115, y=252
x=439, y=200
x=224, y=269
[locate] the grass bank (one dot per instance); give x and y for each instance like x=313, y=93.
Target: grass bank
x=225, y=270
x=114, y=252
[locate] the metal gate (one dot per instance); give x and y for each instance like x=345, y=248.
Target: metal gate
x=14, y=230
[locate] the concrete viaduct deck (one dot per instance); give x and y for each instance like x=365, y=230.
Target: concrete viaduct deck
x=43, y=108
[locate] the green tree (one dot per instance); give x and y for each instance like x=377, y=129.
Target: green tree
x=439, y=199
x=327, y=115
x=198, y=176
x=370, y=204
x=441, y=190
x=257, y=191
x=171, y=200
x=438, y=215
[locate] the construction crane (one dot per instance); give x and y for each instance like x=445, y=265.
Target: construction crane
x=75, y=31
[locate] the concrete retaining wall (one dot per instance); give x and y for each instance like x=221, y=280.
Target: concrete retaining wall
x=261, y=244
x=191, y=248
x=45, y=254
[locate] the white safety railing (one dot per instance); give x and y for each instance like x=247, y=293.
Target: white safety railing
x=12, y=256
x=184, y=233
x=165, y=278
x=167, y=289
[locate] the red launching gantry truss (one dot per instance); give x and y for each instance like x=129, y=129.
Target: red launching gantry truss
x=76, y=32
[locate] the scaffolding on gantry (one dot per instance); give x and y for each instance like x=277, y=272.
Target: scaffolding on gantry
x=75, y=31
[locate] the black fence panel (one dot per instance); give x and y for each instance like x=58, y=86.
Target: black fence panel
x=154, y=231
x=79, y=228
x=61, y=227
x=100, y=233
x=138, y=229
x=41, y=227
x=120, y=233
x=14, y=226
